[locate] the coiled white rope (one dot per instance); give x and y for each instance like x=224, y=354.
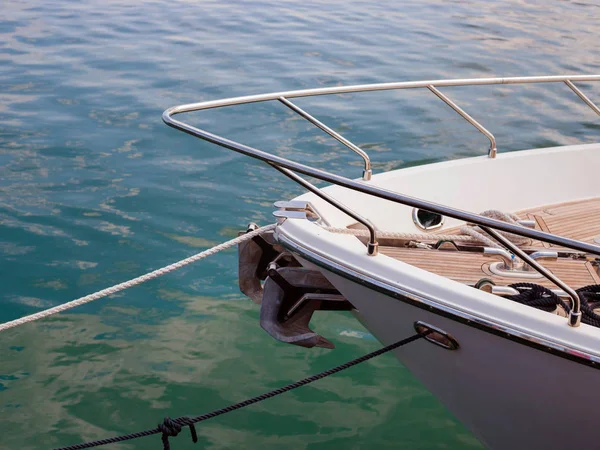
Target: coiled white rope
x=476, y=234
x=139, y=280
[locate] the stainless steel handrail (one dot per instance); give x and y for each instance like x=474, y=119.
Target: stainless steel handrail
x=583, y=97
x=372, y=246
x=567, y=79
x=189, y=107
x=367, y=172
x=486, y=222
x=492, y=150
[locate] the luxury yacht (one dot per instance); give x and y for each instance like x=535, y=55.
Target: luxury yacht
x=494, y=259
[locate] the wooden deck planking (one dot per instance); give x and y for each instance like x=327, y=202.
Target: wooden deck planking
x=577, y=220
x=469, y=267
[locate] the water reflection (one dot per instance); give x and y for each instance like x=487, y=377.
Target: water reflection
x=94, y=190
x=81, y=377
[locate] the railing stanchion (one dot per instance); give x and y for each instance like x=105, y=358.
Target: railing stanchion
x=372, y=245
x=492, y=150
x=583, y=97
x=367, y=172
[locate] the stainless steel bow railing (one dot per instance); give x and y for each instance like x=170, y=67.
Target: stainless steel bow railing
x=292, y=168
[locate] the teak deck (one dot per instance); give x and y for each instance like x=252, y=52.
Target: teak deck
x=578, y=220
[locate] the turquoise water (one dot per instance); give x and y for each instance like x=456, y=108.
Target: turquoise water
x=96, y=190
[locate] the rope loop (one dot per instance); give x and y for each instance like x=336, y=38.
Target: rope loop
x=537, y=296
x=475, y=231
x=168, y=428
x=589, y=297
x=172, y=427
x=540, y=297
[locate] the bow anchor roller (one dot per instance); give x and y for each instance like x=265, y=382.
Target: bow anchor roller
x=288, y=293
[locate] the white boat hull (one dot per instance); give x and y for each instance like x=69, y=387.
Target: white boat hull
x=510, y=395
x=521, y=378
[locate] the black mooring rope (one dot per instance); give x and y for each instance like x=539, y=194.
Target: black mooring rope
x=540, y=297
x=172, y=427
x=537, y=296
x=589, y=296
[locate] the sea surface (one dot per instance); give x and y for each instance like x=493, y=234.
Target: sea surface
x=95, y=190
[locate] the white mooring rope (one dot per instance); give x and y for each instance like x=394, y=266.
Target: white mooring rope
x=141, y=279
x=397, y=235
x=475, y=232
x=469, y=233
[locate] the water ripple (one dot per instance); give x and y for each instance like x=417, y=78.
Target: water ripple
x=95, y=190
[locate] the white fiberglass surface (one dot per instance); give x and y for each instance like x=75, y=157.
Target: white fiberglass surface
x=510, y=182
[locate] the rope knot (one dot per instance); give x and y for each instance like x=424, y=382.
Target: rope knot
x=170, y=427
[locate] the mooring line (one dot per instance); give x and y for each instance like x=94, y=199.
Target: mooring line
x=135, y=281
x=172, y=427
